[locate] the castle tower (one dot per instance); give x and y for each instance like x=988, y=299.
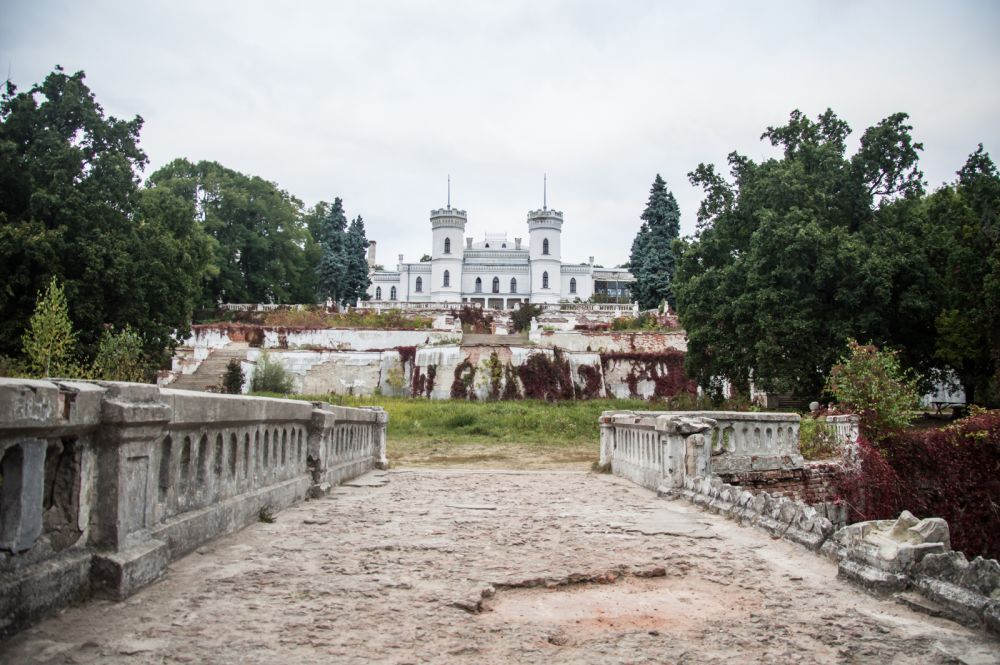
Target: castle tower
x=545, y=254
x=447, y=253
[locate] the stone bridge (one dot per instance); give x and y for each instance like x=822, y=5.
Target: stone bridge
x=135, y=497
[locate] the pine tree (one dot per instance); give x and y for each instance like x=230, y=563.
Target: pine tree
x=652, y=259
x=357, y=262
x=331, y=273
x=49, y=341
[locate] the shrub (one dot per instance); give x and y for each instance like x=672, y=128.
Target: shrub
x=50, y=342
x=817, y=440
x=119, y=357
x=232, y=382
x=12, y=367
x=270, y=376
x=644, y=321
x=474, y=319
x=393, y=319
x=521, y=318
x=872, y=384
x=953, y=473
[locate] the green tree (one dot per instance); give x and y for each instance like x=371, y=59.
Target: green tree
x=49, y=342
x=71, y=207
x=120, y=357
x=962, y=233
x=800, y=253
x=232, y=381
x=258, y=231
x=69, y=196
x=652, y=259
x=872, y=384
x=356, y=260
x=331, y=272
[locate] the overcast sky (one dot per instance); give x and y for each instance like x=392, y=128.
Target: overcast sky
x=377, y=102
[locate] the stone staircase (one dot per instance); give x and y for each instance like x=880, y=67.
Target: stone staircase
x=212, y=370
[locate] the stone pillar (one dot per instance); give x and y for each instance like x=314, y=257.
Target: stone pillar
x=381, y=430
x=607, y=441
x=696, y=455
x=133, y=421
x=685, y=447
x=316, y=457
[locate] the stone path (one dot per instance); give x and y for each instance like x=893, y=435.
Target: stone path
x=497, y=567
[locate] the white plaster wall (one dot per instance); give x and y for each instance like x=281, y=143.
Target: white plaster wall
x=204, y=339
x=386, y=283
x=469, y=284
x=347, y=339
x=321, y=372
x=584, y=286
x=576, y=340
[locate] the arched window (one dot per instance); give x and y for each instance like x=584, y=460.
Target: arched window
x=545, y=280
x=496, y=285
x=513, y=285
x=545, y=246
x=447, y=245
x=419, y=286
x=479, y=285
x=447, y=279
x=392, y=293
x=572, y=285
x=378, y=293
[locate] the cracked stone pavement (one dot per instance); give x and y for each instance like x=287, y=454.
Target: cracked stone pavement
x=495, y=567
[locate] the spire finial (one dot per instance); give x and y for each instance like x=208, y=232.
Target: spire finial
x=449, y=191
x=545, y=191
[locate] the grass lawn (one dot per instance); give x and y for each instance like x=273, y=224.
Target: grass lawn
x=521, y=434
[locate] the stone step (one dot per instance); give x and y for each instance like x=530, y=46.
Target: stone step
x=212, y=369
x=918, y=603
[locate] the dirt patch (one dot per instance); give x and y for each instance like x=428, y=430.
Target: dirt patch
x=491, y=456
x=668, y=604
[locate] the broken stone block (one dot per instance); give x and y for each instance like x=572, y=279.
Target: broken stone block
x=892, y=547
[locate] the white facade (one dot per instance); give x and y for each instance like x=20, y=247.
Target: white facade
x=495, y=272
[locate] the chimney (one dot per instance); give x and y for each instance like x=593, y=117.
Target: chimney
x=468, y=243
x=371, y=253
x=517, y=243
x=400, y=259
x=592, y=260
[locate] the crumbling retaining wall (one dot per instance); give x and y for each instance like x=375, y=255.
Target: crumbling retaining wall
x=637, y=341
x=905, y=556
x=103, y=484
x=815, y=482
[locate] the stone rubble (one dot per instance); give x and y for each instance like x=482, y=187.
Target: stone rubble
x=884, y=556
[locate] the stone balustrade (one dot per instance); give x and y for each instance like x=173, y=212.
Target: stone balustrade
x=655, y=450
x=386, y=305
x=735, y=442
x=103, y=484
x=847, y=429
x=256, y=307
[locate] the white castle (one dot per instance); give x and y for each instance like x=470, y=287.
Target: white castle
x=495, y=272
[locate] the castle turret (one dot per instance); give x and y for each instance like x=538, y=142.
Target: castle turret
x=545, y=254
x=448, y=225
